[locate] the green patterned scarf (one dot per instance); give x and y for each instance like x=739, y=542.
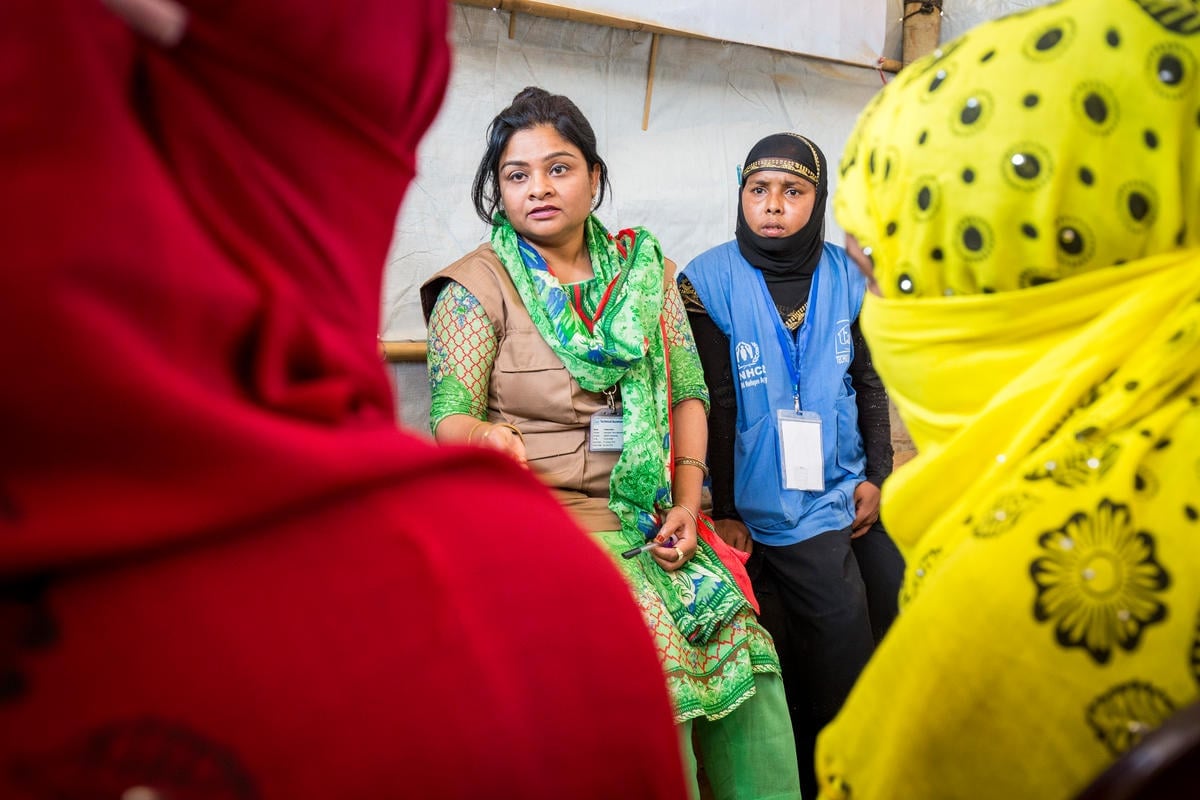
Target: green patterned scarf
x=626, y=348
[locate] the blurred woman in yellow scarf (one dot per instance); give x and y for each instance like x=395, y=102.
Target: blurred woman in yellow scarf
x=1027, y=200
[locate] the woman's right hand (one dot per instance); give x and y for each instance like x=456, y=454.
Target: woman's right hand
x=502, y=438
x=679, y=530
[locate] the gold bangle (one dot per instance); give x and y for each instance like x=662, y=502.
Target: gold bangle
x=693, y=462
x=512, y=428
x=474, y=428
x=691, y=513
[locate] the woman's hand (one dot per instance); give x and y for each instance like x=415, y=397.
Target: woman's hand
x=503, y=438
x=866, y=508
x=734, y=533
x=680, y=525
x=461, y=429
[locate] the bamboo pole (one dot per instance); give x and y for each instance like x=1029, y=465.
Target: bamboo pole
x=512, y=25
x=552, y=11
x=922, y=27
x=650, y=80
x=405, y=352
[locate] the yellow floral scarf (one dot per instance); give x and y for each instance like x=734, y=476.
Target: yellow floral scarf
x=1030, y=198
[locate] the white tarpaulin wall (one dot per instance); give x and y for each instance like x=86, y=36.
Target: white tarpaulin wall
x=711, y=102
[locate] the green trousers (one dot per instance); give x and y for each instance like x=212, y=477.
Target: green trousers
x=748, y=755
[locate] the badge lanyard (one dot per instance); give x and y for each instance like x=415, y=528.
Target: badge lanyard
x=576, y=293
x=606, y=431
x=801, y=457
x=792, y=347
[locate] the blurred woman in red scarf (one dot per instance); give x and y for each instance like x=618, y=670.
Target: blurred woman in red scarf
x=223, y=572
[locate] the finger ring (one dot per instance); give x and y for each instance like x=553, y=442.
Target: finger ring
x=678, y=554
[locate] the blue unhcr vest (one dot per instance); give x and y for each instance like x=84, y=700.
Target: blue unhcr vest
x=760, y=349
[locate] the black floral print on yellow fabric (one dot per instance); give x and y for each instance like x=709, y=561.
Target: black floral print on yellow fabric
x=1126, y=713
x=1099, y=582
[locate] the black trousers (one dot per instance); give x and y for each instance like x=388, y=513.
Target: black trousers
x=827, y=601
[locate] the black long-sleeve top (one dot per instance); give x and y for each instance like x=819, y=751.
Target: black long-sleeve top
x=713, y=345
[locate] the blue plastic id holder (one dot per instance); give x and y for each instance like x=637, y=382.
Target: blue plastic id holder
x=801, y=458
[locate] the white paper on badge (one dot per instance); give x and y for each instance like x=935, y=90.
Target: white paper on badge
x=607, y=432
x=800, y=453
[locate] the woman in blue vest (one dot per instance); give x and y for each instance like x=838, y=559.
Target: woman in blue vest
x=799, y=437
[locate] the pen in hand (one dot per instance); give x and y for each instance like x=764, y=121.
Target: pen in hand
x=650, y=545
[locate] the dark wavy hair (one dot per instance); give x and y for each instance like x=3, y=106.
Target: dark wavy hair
x=532, y=106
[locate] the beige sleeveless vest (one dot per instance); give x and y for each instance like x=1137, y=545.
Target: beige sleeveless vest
x=531, y=389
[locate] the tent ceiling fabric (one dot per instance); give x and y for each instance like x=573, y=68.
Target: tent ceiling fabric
x=852, y=31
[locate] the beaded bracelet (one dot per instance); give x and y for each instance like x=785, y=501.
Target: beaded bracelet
x=694, y=462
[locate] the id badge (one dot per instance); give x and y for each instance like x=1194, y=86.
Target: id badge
x=801, y=460
x=607, y=432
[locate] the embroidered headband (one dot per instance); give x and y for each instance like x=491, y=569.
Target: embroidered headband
x=788, y=165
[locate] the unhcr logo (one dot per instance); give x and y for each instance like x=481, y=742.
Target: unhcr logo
x=751, y=372
x=843, y=345
x=747, y=354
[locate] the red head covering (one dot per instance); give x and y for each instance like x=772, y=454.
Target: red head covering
x=223, y=571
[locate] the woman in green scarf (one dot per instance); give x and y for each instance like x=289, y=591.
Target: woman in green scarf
x=1026, y=202
x=568, y=348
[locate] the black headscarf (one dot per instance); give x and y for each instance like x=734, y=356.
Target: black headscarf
x=787, y=263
